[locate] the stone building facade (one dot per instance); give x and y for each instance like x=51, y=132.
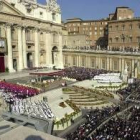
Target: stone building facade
x=74, y=41
x=124, y=30
x=119, y=50
x=96, y=31
x=28, y=40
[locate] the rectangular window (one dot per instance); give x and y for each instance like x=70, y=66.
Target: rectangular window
x=83, y=61
x=74, y=60
x=117, y=39
x=130, y=39
x=101, y=28
x=90, y=33
x=53, y=16
x=110, y=28
x=115, y=65
x=139, y=39
x=66, y=60
x=103, y=64
x=93, y=63
x=117, y=27
x=110, y=40
x=123, y=40
x=123, y=27
x=130, y=27
x=41, y=14
x=138, y=26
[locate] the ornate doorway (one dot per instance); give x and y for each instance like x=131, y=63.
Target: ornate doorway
x=29, y=60
x=55, y=55
x=15, y=64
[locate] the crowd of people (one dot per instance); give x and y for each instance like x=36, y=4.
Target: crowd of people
x=93, y=119
x=131, y=88
x=135, y=97
x=39, y=109
x=120, y=128
x=80, y=73
x=12, y=91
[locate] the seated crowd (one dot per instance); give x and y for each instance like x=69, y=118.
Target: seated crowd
x=80, y=73
x=93, y=119
x=127, y=128
x=12, y=91
x=135, y=97
x=38, y=109
x=131, y=88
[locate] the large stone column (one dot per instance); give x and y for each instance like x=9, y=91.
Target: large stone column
x=120, y=65
x=132, y=68
x=48, y=44
x=24, y=48
x=20, y=54
x=123, y=65
x=79, y=61
x=111, y=68
x=136, y=66
x=36, y=48
x=60, y=52
x=9, y=44
x=97, y=63
x=108, y=63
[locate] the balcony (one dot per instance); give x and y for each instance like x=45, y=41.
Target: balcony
x=135, y=52
x=14, y=41
x=30, y=42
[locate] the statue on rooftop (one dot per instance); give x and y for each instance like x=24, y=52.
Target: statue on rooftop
x=125, y=74
x=52, y=6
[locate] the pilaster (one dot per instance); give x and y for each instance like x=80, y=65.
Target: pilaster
x=9, y=44
x=36, y=47
x=20, y=54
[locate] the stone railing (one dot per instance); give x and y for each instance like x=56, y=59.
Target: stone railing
x=102, y=51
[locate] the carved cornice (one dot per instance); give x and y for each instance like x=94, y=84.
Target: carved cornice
x=54, y=32
x=8, y=24
x=60, y=33
x=48, y=31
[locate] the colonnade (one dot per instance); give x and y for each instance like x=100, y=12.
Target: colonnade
x=120, y=65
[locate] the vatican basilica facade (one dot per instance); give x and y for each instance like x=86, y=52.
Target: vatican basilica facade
x=30, y=35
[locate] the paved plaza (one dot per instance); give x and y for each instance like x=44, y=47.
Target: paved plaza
x=55, y=95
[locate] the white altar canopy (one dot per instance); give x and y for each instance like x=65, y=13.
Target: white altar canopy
x=107, y=78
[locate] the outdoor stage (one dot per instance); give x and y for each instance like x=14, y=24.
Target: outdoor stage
x=54, y=98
